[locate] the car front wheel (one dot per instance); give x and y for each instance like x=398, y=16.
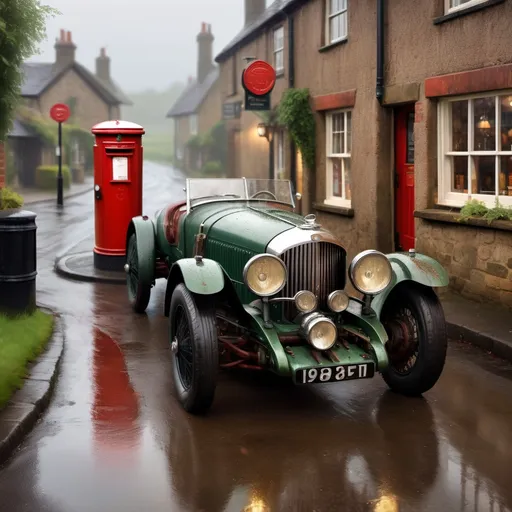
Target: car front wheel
x=414, y=321
x=194, y=345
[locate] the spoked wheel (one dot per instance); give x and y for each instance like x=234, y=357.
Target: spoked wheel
x=139, y=293
x=194, y=344
x=414, y=320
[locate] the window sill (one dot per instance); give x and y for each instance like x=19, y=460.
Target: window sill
x=279, y=73
x=329, y=46
x=336, y=210
x=451, y=216
x=463, y=12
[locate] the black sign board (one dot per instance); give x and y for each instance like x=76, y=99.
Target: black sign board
x=231, y=110
x=253, y=102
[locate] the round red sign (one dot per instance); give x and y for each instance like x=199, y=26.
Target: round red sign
x=60, y=112
x=259, y=78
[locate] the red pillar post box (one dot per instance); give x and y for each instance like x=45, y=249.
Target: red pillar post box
x=117, y=189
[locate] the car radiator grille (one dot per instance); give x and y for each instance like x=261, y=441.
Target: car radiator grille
x=318, y=267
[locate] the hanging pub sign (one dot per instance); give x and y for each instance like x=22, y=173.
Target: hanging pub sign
x=258, y=81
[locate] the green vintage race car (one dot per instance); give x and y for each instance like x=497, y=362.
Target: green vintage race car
x=251, y=284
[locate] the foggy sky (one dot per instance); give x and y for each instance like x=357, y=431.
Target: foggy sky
x=151, y=43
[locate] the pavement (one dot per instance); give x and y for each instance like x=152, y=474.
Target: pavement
x=33, y=196
x=114, y=438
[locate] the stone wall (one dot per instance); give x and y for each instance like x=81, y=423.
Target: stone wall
x=478, y=260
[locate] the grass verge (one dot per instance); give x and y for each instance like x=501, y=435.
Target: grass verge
x=22, y=339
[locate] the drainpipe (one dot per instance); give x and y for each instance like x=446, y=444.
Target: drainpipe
x=291, y=85
x=380, y=51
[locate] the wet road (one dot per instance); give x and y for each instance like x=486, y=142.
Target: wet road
x=115, y=439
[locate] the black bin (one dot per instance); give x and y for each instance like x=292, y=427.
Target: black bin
x=18, y=262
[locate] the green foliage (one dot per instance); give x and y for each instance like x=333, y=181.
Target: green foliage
x=22, y=28
x=47, y=130
x=46, y=176
x=22, y=339
x=219, y=146
x=212, y=169
x=9, y=199
x=475, y=208
x=296, y=114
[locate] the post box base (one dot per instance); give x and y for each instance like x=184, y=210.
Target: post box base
x=109, y=263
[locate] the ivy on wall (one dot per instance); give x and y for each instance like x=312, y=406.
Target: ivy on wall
x=296, y=115
x=46, y=129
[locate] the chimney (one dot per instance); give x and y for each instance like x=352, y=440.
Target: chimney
x=205, y=54
x=64, y=50
x=103, y=66
x=253, y=10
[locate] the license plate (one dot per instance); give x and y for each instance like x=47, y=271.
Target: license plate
x=335, y=373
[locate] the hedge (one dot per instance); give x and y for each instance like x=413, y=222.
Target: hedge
x=212, y=169
x=9, y=199
x=46, y=176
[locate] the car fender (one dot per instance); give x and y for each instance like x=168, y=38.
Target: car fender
x=144, y=230
x=204, y=277
x=419, y=268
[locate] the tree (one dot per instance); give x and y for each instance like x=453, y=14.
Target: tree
x=22, y=28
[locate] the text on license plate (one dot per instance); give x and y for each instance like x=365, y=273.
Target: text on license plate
x=335, y=373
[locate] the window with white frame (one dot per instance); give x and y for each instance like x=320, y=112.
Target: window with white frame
x=279, y=169
x=475, y=149
x=336, y=23
x=192, y=124
x=339, y=147
x=458, y=5
x=279, y=49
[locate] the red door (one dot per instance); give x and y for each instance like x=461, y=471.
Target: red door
x=404, y=178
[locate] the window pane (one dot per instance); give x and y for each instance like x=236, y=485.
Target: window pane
x=335, y=28
x=337, y=143
x=279, y=60
x=343, y=24
x=459, y=167
x=506, y=123
x=335, y=6
x=346, y=176
x=483, y=175
x=459, y=125
x=349, y=132
x=336, y=177
x=505, y=176
x=484, y=120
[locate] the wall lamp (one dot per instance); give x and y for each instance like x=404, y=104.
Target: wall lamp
x=263, y=130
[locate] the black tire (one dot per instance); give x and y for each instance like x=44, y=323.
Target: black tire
x=192, y=325
x=138, y=293
x=414, y=320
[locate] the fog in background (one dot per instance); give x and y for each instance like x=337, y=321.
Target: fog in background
x=151, y=42
x=153, y=50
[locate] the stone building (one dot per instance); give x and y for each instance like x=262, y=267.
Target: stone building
x=413, y=119
x=92, y=98
x=198, y=108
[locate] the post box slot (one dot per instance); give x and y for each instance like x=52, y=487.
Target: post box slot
x=119, y=151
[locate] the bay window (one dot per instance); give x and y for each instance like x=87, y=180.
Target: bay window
x=336, y=28
x=339, y=147
x=458, y=5
x=475, y=149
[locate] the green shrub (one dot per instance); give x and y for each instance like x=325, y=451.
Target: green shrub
x=46, y=176
x=212, y=169
x=9, y=199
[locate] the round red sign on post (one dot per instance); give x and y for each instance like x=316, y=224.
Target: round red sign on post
x=60, y=112
x=259, y=78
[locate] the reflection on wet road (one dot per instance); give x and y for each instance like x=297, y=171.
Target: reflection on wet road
x=115, y=439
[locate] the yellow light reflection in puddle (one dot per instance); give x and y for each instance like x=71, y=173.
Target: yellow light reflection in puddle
x=386, y=504
x=256, y=505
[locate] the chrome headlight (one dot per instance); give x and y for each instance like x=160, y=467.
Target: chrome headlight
x=370, y=272
x=338, y=301
x=265, y=275
x=320, y=331
x=306, y=301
